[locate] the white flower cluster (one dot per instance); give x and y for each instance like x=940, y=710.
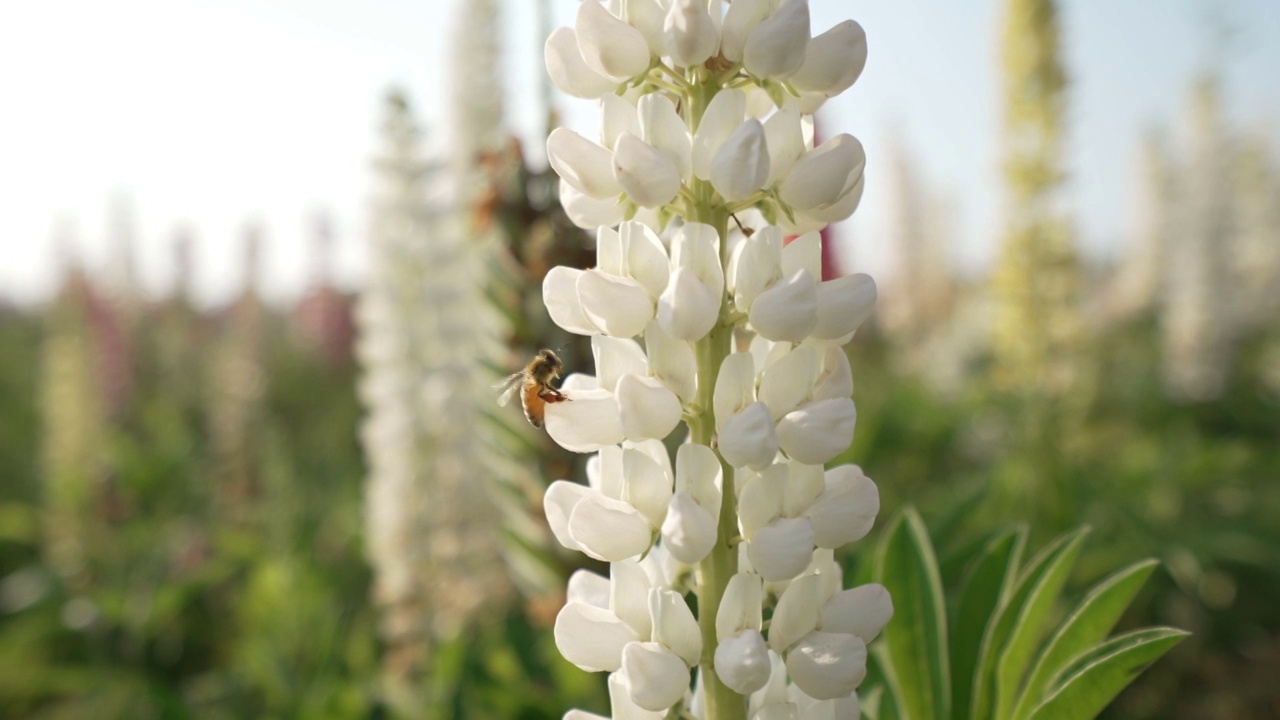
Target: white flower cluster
x=753, y=143
x=706, y=115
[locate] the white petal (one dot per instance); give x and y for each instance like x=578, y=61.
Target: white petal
x=576, y=714
x=656, y=679
x=828, y=665
x=610, y=258
x=841, y=209
x=647, y=16
x=616, y=357
x=739, y=20
x=824, y=174
x=748, y=438
x=843, y=305
x=757, y=266
x=785, y=140
x=775, y=48
x=761, y=498
x=629, y=596
x=689, y=531
x=777, y=711
x=786, y=311
x=847, y=508
x=741, y=165
x=742, y=662
x=735, y=387
x=646, y=484
x=861, y=611
x=835, y=709
x=619, y=306
x=782, y=550
x=803, y=252
x=835, y=380
x=608, y=529
x=674, y=625
x=587, y=212
x=568, y=71
x=788, y=382
x=817, y=432
x=590, y=637
x=833, y=60
x=560, y=294
x=558, y=503
x=697, y=246
x=797, y=613
x=608, y=45
x=699, y=474
x=671, y=361
x=740, y=606
x=621, y=704
x=805, y=484
x=646, y=258
x=723, y=115
x=775, y=692
x=648, y=175
x=661, y=127
x=586, y=423
x=687, y=309
x=609, y=476
x=617, y=118
x=649, y=409
x=691, y=34
x=588, y=588
x=582, y=163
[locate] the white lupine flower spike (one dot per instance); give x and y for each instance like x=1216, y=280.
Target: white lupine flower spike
x=713, y=332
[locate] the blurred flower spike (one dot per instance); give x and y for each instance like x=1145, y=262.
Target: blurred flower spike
x=706, y=118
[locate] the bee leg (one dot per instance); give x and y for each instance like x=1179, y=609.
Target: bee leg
x=552, y=396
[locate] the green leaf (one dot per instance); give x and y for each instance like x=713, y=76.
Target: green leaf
x=1017, y=626
x=985, y=589
x=1088, y=624
x=913, y=647
x=1096, y=678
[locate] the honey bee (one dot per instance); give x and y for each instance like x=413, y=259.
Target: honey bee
x=534, y=384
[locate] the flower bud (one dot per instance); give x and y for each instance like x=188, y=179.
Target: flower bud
x=828, y=665
x=817, y=432
x=648, y=175
x=568, y=71
x=861, y=611
x=608, y=45
x=655, y=678
x=833, y=60
x=590, y=637
x=782, y=550
x=608, y=529
x=583, y=164
x=690, y=33
x=742, y=662
x=775, y=48
x=741, y=165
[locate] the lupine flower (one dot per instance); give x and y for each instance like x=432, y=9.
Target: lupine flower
x=705, y=114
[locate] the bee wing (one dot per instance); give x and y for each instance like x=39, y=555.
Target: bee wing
x=509, y=388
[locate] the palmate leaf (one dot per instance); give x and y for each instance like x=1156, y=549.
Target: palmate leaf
x=987, y=586
x=913, y=652
x=1012, y=633
x=1086, y=625
x=1099, y=675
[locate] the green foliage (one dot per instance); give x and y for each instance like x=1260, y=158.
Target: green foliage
x=1000, y=620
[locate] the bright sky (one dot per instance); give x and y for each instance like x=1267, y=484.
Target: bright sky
x=212, y=114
